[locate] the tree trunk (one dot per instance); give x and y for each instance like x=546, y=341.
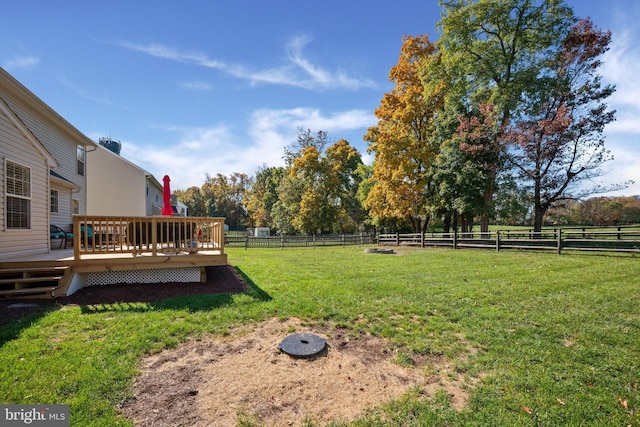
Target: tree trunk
x=446, y=225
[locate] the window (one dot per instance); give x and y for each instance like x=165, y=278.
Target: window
x=18, y=195
x=81, y=159
x=75, y=205
x=54, y=201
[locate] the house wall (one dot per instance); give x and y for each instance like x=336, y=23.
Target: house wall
x=66, y=194
x=14, y=146
x=56, y=135
x=114, y=185
x=154, y=198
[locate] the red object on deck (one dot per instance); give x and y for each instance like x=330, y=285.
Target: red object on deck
x=167, y=210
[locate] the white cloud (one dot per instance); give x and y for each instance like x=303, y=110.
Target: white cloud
x=623, y=168
x=196, y=86
x=212, y=150
x=297, y=71
x=23, y=62
x=620, y=67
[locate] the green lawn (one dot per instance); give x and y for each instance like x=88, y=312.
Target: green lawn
x=557, y=337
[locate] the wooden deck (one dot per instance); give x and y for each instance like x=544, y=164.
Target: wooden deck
x=51, y=275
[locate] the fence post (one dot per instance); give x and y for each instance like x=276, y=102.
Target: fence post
x=455, y=238
x=397, y=239
x=497, y=241
x=246, y=242
x=559, y=241
x=422, y=239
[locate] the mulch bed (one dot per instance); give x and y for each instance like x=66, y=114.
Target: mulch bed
x=221, y=279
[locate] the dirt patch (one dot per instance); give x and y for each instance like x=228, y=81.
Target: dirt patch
x=244, y=377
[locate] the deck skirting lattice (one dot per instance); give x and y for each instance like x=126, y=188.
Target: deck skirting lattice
x=160, y=275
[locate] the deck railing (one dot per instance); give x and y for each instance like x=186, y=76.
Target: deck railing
x=148, y=235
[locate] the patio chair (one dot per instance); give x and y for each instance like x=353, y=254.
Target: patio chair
x=89, y=231
x=56, y=232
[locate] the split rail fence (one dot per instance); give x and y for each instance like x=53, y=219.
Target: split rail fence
x=298, y=241
x=620, y=240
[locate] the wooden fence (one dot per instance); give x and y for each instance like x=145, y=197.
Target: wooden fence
x=298, y=241
x=620, y=240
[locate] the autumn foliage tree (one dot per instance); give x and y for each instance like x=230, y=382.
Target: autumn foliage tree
x=401, y=141
x=494, y=50
x=556, y=141
x=318, y=194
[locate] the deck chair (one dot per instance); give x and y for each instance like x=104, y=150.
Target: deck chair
x=89, y=232
x=56, y=232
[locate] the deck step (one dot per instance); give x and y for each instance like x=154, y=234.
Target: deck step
x=31, y=282
x=46, y=291
x=28, y=270
x=17, y=280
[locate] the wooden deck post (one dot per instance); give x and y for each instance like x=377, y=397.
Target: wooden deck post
x=154, y=236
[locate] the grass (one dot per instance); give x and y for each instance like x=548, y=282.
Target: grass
x=555, y=339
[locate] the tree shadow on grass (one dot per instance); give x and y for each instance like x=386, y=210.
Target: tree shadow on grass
x=20, y=314
x=219, y=289
x=221, y=286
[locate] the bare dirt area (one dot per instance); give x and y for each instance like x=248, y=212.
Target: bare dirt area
x=245, y=377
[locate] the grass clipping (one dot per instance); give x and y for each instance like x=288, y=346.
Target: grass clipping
x=246, y=379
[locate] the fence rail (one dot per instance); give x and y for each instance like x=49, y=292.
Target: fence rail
x=298, y=241
x=557, y=239
x=152, y=235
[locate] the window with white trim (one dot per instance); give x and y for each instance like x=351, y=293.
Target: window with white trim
x=81, y=155
x=18, y=195
x=54, y=201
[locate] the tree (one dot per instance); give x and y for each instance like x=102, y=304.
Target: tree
x=305, y=139
x=194, y=200
x=556, y=141
x=224, y=197
x=401, y=141
x=493, y=51
x=328, y=201
x=318, y=192
x=263, y=195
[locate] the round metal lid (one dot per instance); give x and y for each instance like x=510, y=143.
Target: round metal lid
x=302, y=345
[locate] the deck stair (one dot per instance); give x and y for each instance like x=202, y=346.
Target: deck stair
x=33, y=282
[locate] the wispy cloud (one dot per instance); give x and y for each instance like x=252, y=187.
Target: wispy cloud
x=297, y=71
x=83, y=93
x=166, y=52
x=196, y=86
x=20, y=62
x=199, y=151
x=620, y=65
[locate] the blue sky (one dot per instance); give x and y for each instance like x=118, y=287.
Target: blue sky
x=193, y=87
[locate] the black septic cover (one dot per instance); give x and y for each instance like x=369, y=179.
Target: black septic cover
x=302, y=345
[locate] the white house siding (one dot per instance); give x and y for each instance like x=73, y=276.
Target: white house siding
x=63, y=218
x=154, y=198
x=61, y=144
x=15, y=147
x=115, y=186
